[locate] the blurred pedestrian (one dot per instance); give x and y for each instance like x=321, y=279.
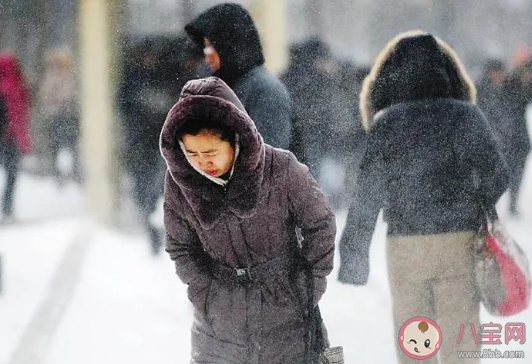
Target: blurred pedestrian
x=232, y=206
x=352, y=77
x=146, y=93
x=15, y=136
x=234, y=53
x=518, y=93
x=323, y=119
x=432, y=163
x=59, y=107
x=492, y=99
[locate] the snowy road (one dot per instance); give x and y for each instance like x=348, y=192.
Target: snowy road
x=128, y=307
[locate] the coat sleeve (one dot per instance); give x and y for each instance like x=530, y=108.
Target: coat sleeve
x=476, y=147
x=269, y=108
x=364, y=209
x=185, y=249
x=316, y=221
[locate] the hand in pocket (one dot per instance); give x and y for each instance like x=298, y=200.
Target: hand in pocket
x=198, y=292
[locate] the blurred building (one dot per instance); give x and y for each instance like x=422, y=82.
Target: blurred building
x=356, y=29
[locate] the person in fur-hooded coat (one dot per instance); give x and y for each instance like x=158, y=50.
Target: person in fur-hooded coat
x=231, y=231
x=432, y=164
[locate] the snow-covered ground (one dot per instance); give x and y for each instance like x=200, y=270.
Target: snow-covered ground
x=78, y=293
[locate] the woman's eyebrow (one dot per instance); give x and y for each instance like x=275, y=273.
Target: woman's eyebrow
x=209, y=151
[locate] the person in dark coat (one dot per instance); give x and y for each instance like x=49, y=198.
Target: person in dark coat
x=433, y=165
x=491, y=90
x=518, y=93
x=231, y=209
x=145, y=94
x=234, y=53
x=492, y=100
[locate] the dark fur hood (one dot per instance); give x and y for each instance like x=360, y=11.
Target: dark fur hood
x=414, y=66
x=211, y=98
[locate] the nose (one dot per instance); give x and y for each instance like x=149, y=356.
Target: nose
x=203, y=162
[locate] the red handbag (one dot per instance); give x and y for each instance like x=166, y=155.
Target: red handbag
x=501, y=270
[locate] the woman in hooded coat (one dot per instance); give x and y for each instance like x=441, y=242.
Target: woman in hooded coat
x=14, y=135
x=232, y=206
x=234, y=52
x=432, y=163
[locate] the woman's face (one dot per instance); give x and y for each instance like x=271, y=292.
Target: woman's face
x=209, y=153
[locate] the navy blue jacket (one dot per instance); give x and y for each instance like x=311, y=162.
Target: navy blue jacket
x=430, y=166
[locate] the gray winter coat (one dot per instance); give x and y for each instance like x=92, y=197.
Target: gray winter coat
x=267, y=103
x=249, y=222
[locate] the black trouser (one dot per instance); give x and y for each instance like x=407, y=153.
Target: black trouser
x=10, y=156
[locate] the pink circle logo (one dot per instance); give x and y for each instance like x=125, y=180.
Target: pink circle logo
x=420, y=338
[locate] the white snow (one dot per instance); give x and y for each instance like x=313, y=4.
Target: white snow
x=130, y=307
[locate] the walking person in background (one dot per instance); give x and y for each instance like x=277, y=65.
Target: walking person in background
x=491, y=92
x=234, y=53
x=58, y=104
x=232, y=206
x=14, y=135
x=433, y=165
x=493, y=101
x=145, y=94
x=322, y=117
x=518, y=93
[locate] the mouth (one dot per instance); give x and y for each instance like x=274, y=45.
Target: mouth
x=212, y=173
x=416, y=350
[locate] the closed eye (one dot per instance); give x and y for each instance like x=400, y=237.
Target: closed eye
x=412, y=340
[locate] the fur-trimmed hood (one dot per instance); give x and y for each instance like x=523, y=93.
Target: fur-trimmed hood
x=414, y=66
x=211, y=98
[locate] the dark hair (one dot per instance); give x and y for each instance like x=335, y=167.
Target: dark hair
x=416, y=69
x=195, y=126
